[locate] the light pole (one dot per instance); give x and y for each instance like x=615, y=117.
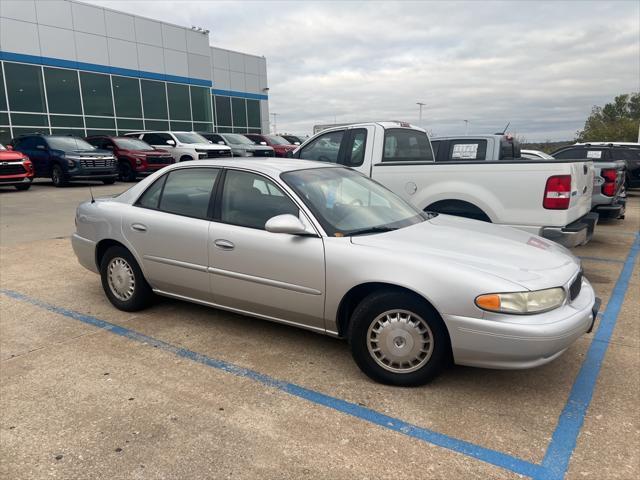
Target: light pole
x=420, y=105
x=466, y=127
x=275, y=127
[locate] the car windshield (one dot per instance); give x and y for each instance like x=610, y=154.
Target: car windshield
x=277, y=140
x=68, y=144
x=347, y=203
x=132, y=144
x=237, y=139
x=190, y=138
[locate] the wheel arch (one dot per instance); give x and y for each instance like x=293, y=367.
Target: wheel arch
x=356, y=294
x=104, y=245
x=461, y=208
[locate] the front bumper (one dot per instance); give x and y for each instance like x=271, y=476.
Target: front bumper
x=522, y=341
x=85, y=250
x=574, y=234
x=10, y=181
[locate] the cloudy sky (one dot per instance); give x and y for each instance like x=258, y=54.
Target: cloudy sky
x=540, y=65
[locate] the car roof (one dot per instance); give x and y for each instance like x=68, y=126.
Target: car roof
x=608, y=144
x=272, y=166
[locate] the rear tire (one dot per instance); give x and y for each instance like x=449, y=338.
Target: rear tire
x=109, y=181
x=23, y=186
x=58, y=177
x=123, y=281
x=398, y=339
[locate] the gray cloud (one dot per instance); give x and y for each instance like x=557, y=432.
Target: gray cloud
x=539, y=65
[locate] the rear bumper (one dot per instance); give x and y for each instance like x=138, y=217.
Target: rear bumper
x=613, y=210
x=524, y=342
x=574, y=234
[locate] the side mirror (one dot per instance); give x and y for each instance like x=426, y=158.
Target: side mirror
x=9, y=147
x=286, y=223
x=171, y=142
x=221, y=143
x=264, y=144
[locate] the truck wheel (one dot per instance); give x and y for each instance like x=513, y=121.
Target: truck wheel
x=58, y=177
x=398, y=339
x=109, y=181
x=23, y=186
x=186, y=158
x=123, y=281
x=125, y=172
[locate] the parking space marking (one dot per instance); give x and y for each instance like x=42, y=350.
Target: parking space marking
x=600, y=259
x=564, y=438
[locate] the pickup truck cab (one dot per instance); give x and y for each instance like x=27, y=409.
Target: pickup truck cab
x=64, y=158
x=135, y=157
x=183, y=146
x=609, y=197
x=550, y=199
x=16, y=169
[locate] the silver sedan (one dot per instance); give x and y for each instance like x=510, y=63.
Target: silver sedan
x=322, y=247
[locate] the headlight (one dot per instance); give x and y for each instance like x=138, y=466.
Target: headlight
x=71, y=163
x=522, y=302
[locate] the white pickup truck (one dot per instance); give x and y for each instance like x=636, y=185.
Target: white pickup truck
x=547, y=198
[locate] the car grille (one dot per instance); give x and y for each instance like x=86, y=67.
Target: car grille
x=219, y=153
x=12, y=169
x=263, y=153
x=574, y=288
x=97, y=162
x=159, y=160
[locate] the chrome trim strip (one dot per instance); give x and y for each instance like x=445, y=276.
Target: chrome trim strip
x=176, y=263
x=265, y=281
x=241, y=312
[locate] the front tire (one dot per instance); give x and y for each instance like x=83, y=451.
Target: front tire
x=123, y=281
x=397, y=338
x=109, y=181
x=23, y=186
x=58, y=177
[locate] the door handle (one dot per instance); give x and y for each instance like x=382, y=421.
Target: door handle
x=138, y=227
x=224, y=244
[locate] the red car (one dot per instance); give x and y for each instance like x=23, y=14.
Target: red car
x=15, y=169
x=281, y=147
x=135, y=157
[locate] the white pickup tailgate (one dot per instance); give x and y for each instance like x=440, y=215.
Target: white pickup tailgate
x=582, y=177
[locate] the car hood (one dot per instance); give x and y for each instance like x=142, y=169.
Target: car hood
x=88, y=153
x=513, y=255
x=11, y=156
x=207, y=146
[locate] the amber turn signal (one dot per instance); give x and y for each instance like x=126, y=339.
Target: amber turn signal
x=489, y=302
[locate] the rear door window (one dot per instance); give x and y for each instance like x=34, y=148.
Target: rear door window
x=354, y=152
x=405, y=145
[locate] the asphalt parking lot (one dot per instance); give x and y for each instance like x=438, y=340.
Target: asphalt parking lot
x=183, y=391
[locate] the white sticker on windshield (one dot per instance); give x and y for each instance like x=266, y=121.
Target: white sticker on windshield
x=594, y=154
x=465, y=151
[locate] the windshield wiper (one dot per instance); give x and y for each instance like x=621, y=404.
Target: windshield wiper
x=365, y=231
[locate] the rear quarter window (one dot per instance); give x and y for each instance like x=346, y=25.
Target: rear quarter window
x=466, y=150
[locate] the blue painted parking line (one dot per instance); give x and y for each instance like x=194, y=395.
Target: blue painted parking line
x=559, y=451
x=600, y=259
x=565, y=436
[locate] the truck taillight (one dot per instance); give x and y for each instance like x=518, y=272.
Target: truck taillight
x=610, y=176
x=557, y=192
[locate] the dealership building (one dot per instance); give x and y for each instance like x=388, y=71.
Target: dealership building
x=73, y=68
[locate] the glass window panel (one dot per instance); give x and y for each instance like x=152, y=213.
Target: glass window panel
x=201, y=104
x=154, y=99
x=223, y=111
x=96, y=94
x=240, y=130
x=156, y=125
x=4, y=118
x=5, y=135
x=188, y=191
x=253, y=113
x=68, y=131
x=3, y=99
x=224, y=130
x=126, y=92
x=29, y=119
x=239, y=112
x=202, y=127
x=101, y=132
x=181, y=126
x=127, y=124
x=179, y=108
x=25, y=87
x=255, y=130
x=93, y=122
x=27, y=130
x=63, y=91
x=66, y=121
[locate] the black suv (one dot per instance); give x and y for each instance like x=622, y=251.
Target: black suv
x=629, y=152
x=63, y=158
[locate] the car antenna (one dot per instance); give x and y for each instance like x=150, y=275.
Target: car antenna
x=93, y=200
x=505, y=128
